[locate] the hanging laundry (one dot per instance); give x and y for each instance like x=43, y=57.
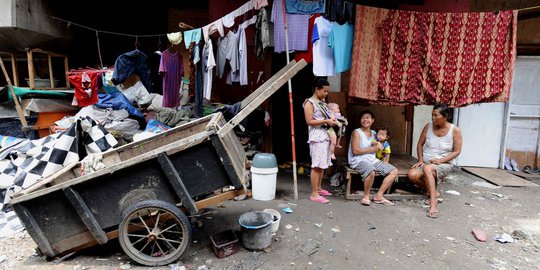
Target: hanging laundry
x=209, y=29
x=341, y=11
x=308, y=55
x=229, y=19
x=258, y=4
x=454, y=58
x=297, y=29
x=199, y=70
x=232, y=54
x=366, y=53
x=242, y=55
x=133, y=62
x=305, y=6
x=323, y=58
x=262, y=34
x=341, y=42
x=175, y=38
x=209, y=63
x=192, y=36
x=86, y=88
x=172, y=69
x=153, y=61
x=221, y=54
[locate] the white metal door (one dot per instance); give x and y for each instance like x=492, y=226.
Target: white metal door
x=482, y=129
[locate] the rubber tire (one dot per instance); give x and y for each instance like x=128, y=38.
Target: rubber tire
x=184, y=222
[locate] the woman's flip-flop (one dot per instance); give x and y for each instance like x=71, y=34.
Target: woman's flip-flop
x=439, y=200
x=384, y=202
x=433, y=214
x=325, y=192
x=319, y=199
x=365, y=202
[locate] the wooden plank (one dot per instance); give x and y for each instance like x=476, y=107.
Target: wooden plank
x=85, y=214
x=31, y=71
x=66, y=67
x=46, y=181
x=51, y=76
x=499, y=177
x=20, y=112
x=277, y=82
x=528, y=176
x=236, y=152
x=226, y=161
x=14, y=70
x=33, y=229
x=219, y=198
x=177, y=183
x=170, y=148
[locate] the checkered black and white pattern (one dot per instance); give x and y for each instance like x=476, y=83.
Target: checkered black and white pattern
x=27, y=162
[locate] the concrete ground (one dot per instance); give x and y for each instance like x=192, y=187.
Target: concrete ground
x=347, y=235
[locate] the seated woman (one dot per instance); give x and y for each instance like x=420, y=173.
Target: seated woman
x=362, y=158
x=438, y=146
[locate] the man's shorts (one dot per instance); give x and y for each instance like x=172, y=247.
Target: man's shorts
x=442, y=169
x=364, y=168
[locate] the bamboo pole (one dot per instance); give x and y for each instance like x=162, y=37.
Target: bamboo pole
x=17, y=105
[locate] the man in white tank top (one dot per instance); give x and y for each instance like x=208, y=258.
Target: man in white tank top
x=439, y=144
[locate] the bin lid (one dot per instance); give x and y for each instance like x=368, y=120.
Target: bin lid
x=264, y=160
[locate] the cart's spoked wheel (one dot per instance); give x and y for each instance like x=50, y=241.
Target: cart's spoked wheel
x=154, y=233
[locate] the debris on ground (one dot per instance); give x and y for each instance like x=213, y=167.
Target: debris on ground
x=479, y=234
x=287, y=210
x=453, y=192
x=504, y=238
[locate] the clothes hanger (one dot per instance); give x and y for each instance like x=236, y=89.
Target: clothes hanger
x=137, y=42
x=159, y=46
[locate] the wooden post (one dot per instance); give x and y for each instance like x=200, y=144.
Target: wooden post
x=17, y=105
x=66, y=67
x=31, y=71
x=51, y=76
x=14, y=70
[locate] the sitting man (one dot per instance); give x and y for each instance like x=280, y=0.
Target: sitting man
x=438, y=146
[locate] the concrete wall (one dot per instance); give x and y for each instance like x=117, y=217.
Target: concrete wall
x=26, y=24
x=422, y=116
x=6, y=13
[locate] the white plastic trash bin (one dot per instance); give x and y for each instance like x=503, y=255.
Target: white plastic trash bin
x=263, y=177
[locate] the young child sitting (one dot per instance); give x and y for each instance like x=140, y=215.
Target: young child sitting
x=336, y=132
x=383, y=153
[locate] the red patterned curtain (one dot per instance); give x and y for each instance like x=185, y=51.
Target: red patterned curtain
x=366, y=52
x=454, y=58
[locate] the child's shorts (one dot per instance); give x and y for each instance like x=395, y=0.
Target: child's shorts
x=331, y=131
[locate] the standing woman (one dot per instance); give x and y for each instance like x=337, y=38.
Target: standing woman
x=319, y=142
x=439, y=144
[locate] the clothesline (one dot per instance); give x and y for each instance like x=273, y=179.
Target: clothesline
x=106, y=32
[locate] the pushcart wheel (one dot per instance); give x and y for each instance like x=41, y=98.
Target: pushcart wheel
x=154, y=233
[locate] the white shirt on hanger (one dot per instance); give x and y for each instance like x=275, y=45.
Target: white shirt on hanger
x=323, y=57
x=209, y=63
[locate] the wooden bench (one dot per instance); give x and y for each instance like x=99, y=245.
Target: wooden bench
x=402, y=162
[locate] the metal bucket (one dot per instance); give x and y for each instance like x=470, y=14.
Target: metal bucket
x=256, y=230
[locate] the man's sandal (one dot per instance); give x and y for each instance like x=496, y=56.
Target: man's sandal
x=433, y=214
